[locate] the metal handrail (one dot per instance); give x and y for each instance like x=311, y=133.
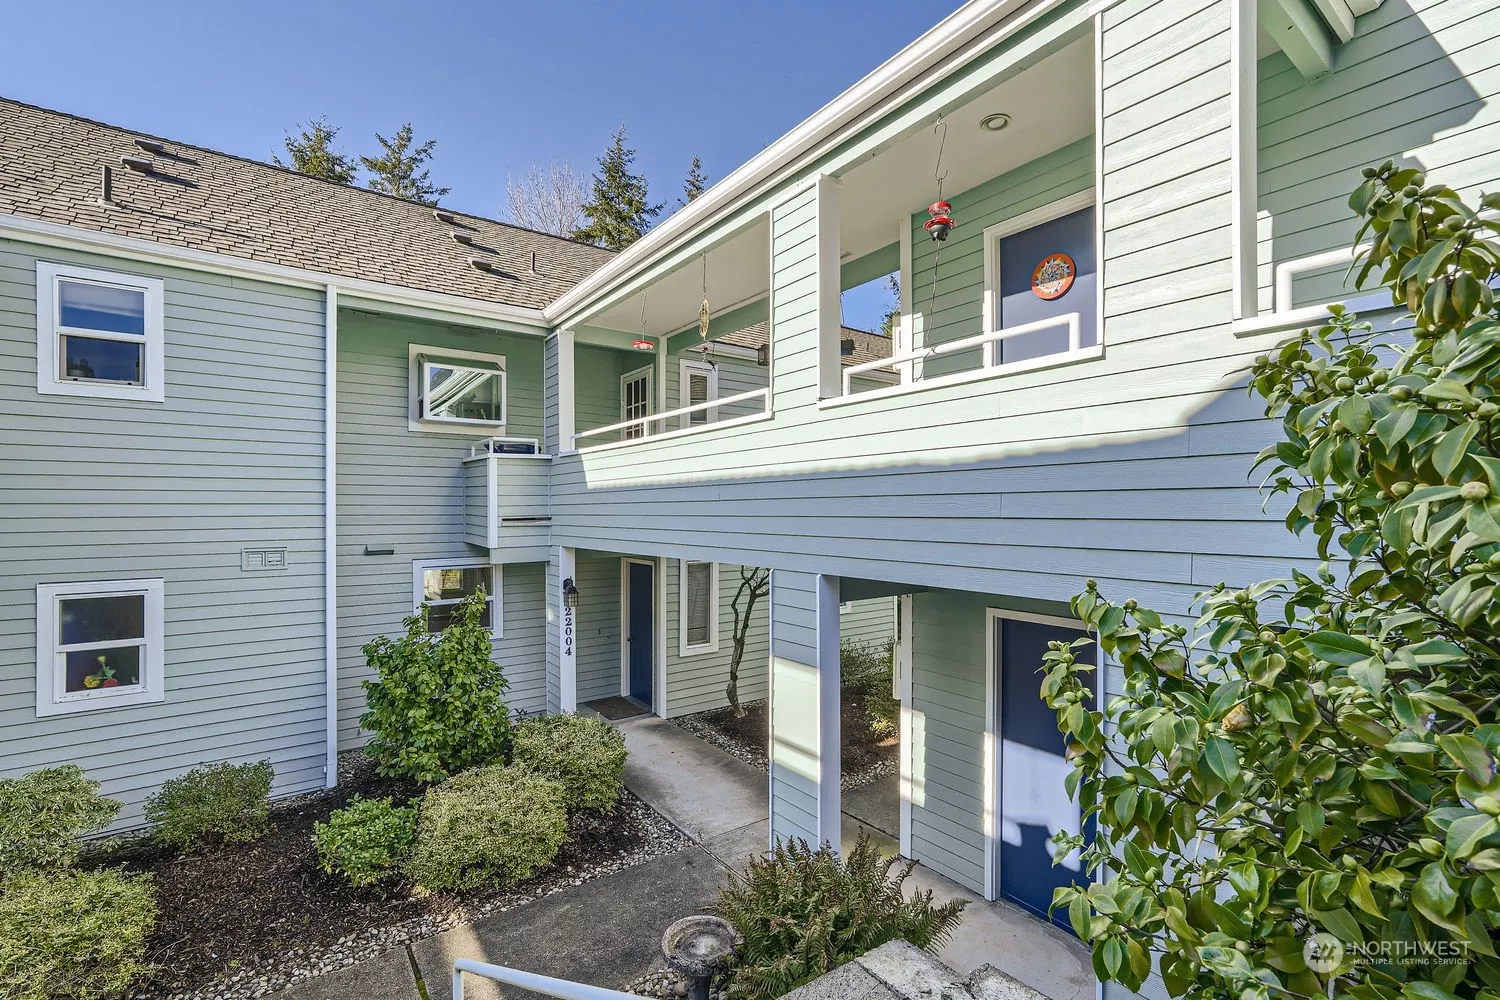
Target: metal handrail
x=563, y=989
x=712, y=404
x=1070, y=320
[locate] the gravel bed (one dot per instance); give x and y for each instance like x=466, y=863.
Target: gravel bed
x=633, y=834
x=668, y=985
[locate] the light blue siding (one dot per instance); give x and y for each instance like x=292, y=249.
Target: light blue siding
x=870, y=623
x=104, y=490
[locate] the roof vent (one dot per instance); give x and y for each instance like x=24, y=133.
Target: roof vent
x=442, y=216
x=482, y=264
x=106, y=186
x=151, y=146
x=533, y=262
x=467, y=239
x=140, y=164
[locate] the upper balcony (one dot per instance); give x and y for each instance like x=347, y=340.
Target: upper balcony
x=507, y=499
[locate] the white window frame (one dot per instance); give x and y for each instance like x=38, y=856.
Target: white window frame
x=648, y=372
x=418, y=356
x=710, y=415
x=712, y=646
x=51, y=377
x=496, y=589
x=52, y=698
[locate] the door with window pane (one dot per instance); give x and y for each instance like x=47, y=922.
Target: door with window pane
x=635, y=401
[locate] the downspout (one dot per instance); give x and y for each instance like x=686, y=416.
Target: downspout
x=330, y=530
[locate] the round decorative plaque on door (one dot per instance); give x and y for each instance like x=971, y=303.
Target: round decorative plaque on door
x=1053, y=276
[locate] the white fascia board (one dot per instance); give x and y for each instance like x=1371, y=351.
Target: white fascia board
x=786, y=155
x=54, y=234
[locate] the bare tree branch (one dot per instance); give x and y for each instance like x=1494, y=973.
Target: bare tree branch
x=548, y=197
x=755, y=583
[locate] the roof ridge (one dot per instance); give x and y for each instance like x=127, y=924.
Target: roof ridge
x=295, y=173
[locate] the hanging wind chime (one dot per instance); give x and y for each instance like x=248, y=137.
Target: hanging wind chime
x=940, y=220
x=703, y=318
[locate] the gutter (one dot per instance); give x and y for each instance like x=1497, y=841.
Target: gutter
x=330, y=529
x=743, y=184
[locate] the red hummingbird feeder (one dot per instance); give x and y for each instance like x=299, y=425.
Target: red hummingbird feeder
x=941, y=223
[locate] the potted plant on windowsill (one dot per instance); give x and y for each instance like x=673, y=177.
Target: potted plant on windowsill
x=104, y=677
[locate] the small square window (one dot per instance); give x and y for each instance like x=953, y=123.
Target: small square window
x=699, y=609
x=98, y=334
x=443, y=585
x=99, y=645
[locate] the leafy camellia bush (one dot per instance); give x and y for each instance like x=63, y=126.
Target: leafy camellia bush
x=493, y=825
x=804, y=912
x=73, y=935
x=44, y=813
x=216, y=803
x=437, y=707
x=585, y=756
x=366, y=841
x=1301, y=800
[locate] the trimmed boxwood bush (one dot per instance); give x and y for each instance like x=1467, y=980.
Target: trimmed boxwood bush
x=491, y=825
x=366, y=841
x=217, y=803
x=586, y=756
x=43, y=815
x=73, y=934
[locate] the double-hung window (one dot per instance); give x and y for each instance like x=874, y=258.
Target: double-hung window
x=442, y=586
x=699, y=607
x=699, y=384
x=98, y=645
x=98, y=334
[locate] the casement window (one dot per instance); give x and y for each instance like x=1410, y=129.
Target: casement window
x=442, y=585
x=699, y=384
x=699, y=607
x=98, y=334
x=98, y=645
x=455, y=391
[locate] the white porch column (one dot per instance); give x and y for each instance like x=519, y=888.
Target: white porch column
x=566, y=409
x=830, y=715
x=567, y=631
x=830, y=289
x=804, y=779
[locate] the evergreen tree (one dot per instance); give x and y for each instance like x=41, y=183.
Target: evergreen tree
x=311, y=153
x=619, y=209
x=400, y=170
x=696, y=183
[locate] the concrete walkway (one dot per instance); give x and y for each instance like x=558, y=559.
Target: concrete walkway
x=607, y=930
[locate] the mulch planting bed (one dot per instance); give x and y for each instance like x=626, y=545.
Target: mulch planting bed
x=865, y=756
x=243, y=920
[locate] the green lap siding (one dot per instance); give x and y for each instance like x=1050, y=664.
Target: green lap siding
x=870, y=623
x=697, y=682
x=402, y=489
x=101, y=490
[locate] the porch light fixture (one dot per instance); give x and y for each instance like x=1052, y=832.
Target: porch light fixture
x=642, y=344
x=763, y=355
x=994, y=122
x=570, y=594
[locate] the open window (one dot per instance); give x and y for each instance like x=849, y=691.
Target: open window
x=98, y=334
x=99, y=645
x=457, y=391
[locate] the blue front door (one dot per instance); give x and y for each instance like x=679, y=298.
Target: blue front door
x=1033, y=801
x=640, y=632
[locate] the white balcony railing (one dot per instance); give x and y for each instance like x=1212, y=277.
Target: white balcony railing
x=563, y=989
x=643, y=424
x=986, y=340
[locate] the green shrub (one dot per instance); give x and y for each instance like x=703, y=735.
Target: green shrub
x=44, y=813
x=437, y=707
x=804, y=912
x=216, y=803
x=867, y=670
x=491, y=825
x=585, y=756
x=73, y=934
x=366, y=841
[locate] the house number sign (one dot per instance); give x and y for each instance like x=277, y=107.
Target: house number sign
x=567, y=632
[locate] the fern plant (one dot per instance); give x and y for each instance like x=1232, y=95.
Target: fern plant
x=804, y=912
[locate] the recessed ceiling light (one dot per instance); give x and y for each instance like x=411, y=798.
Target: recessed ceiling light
x=994, y=122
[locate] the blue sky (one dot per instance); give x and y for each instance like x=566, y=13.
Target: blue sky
x=499, y=85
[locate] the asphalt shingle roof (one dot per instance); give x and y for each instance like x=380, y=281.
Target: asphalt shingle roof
x=204, y=200
x=867, y=346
